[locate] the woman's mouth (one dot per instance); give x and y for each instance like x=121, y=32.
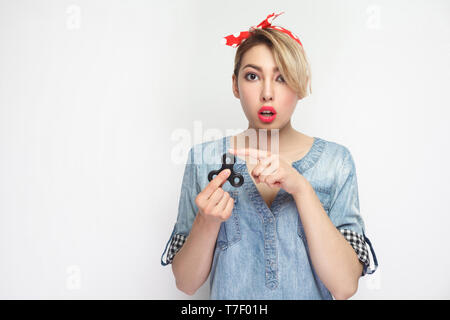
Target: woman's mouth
x=267, y=114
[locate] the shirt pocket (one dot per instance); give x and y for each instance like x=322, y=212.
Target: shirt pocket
x=230, y=231
x=324, y=196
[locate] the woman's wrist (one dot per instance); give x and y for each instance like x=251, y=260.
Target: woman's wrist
x=304, y=187
x=207, y=224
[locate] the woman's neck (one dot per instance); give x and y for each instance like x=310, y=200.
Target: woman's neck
x=281, y=141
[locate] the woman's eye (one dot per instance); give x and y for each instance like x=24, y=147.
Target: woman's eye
x=252, y=74
x=248, y=74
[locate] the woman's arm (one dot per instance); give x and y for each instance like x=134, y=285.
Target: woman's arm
x=192, y=264
x=333, y=258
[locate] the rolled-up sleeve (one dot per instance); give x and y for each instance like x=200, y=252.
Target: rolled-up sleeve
x=345, y=213
x=187, y=211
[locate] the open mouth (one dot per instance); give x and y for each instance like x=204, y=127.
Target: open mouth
x=267, y=114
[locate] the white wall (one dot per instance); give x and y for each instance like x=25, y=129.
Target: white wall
x=92, y=91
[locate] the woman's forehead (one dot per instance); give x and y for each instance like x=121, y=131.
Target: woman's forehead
x=260, y=58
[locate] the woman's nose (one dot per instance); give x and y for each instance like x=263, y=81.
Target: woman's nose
x=267, y=92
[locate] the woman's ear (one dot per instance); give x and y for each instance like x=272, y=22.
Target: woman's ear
x=235, y=86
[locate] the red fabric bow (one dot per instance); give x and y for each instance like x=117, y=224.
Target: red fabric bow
x=233, y=40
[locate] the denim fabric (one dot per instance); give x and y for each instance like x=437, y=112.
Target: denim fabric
x=262, y=252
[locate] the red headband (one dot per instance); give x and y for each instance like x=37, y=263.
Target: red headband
x=237, y=38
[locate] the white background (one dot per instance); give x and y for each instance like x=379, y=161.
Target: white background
x=91, y=93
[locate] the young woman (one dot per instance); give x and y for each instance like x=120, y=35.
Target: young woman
x=293, y=230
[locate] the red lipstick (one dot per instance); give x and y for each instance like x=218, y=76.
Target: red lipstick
x=267, y=114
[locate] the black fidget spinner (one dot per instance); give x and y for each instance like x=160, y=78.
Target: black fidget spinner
x=228, y=160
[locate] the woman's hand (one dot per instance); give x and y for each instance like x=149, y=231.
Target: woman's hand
x=273, y=170
x=215, y=204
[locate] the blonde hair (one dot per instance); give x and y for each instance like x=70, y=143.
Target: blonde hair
x=289, y=56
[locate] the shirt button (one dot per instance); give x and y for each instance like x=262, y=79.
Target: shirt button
x=272, y=284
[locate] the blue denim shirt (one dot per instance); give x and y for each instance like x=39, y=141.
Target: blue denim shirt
x=262, y=252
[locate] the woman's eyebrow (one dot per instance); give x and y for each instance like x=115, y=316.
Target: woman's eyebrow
x=257, y=67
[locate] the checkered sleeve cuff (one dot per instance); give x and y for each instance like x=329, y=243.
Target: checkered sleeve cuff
x=359, y=245
x=175, y=245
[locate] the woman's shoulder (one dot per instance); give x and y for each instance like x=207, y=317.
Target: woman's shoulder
x=334, y=148
x=335, y=154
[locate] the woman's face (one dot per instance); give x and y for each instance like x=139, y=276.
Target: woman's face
x=262, y=85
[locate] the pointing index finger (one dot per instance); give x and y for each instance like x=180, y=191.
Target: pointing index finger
x=253, y=153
